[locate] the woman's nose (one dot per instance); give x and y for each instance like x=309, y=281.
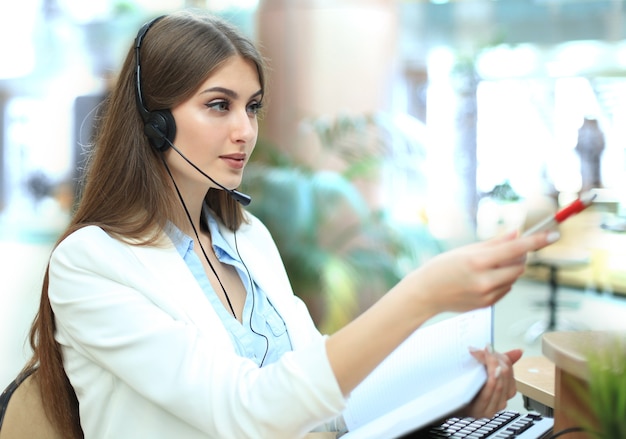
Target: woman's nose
x=244, y=126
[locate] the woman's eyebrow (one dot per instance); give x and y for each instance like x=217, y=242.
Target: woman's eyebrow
x=230, y=93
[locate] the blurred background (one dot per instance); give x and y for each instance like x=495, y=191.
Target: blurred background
x=486, y=92
x=395, y=129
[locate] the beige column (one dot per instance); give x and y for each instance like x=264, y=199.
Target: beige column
x=325, y=57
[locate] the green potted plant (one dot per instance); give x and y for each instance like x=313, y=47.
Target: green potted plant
x=339, y=251
x=605, y=390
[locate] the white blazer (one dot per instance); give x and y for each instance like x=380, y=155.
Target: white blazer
x=149, y=357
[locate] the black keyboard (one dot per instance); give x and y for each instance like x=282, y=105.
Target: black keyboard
x=506, y=424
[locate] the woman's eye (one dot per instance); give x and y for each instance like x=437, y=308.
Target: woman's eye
x=218, y=105
x=255, y=107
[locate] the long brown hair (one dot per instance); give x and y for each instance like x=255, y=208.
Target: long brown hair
x=127, y=191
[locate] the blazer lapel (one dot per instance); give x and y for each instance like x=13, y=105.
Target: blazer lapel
x=174, y=288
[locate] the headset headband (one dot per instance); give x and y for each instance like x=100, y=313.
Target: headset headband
x=138, y=40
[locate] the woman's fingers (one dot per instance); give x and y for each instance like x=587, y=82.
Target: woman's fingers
x=499, y=263
x=503, y=251
x=485, y=403
x=500, y=384
x=512, y=357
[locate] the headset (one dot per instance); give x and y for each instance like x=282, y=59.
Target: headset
x=159, y=125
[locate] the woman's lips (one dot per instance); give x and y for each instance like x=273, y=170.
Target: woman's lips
x=235, y=161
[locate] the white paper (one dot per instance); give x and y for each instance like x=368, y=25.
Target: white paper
x=427, y=377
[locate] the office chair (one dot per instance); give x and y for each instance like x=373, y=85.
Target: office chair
x=22, y=414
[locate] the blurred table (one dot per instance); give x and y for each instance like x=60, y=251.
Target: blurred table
x=534, y=377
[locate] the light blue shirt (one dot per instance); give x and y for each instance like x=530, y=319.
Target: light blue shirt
x=263, y=336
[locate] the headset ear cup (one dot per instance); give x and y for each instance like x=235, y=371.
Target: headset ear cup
x=160, y=127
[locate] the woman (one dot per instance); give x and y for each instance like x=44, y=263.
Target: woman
x=166, y=311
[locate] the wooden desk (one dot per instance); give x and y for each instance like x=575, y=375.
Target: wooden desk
x=568, y=351
x=534, y=377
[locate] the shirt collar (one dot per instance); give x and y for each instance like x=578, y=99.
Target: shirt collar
x=184, y=243
x=220, y=246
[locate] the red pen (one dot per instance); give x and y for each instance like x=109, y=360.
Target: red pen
x=577, y=206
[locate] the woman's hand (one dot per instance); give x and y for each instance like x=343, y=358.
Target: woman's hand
x=500, y=385
x=475, y=275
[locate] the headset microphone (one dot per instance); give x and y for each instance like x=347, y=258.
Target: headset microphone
x=242, y=198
